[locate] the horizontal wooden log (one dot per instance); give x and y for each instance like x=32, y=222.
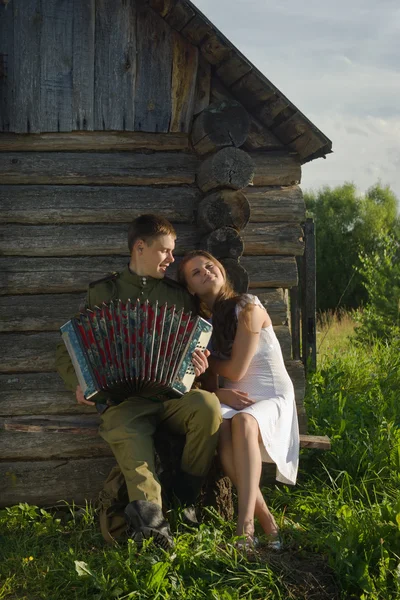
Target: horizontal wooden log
x=237, y=275
x=271, y=271
x=275, y=301
x=105, y=240
x=230, y=167
x=47, y=482
x=276, y=168
x=35, y=352
x=223, y=208
x=25, y=275
x=274, y=238
x=16, y=445
x=158, y=168
x=276, y=204
x=45, y=394
x=37, y=394
x=47, y=312
x=87, y=426
x=93, y=140
x=224, y=242
x=219, y=125
x=52, y=204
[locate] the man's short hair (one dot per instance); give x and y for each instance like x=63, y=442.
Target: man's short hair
x=147, y=228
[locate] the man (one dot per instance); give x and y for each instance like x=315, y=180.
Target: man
x=128, y=426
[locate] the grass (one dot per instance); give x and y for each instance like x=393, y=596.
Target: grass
x=341, y=523
x=334, y=331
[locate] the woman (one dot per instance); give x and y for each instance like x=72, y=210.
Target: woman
x=257, y=400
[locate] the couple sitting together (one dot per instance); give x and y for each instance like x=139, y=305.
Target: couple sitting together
x=251, y=419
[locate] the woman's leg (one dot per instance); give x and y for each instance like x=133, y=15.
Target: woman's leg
x=225, y=451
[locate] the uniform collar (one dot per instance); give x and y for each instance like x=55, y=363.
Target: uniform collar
x=135, y=279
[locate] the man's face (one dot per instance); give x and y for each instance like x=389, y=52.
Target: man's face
x=156, y=257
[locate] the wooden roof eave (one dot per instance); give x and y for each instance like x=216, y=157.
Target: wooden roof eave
x=244, y=81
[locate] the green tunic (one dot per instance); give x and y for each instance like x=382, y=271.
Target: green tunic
x=124, y=285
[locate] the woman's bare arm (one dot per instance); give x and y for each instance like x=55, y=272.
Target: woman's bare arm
x=244, y=345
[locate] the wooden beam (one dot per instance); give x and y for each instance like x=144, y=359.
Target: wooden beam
x=276, y=168
x=33, y=275
x=47, y=312
x=185, y=59
x=35, y=352
x=105, y=240
x=283, y=204
x=223, y=208
x=87, y=168
x=62, y=204
x=93, y=140
x=44, y=483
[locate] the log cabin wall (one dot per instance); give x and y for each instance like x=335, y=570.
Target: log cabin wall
x=91, y=137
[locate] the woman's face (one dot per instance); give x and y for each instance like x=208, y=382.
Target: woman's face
x=203, y=276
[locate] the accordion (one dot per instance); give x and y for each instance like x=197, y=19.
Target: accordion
x=134, y=349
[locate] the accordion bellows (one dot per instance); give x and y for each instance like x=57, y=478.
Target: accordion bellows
x=133, y=348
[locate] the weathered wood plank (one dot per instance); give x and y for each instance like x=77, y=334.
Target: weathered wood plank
x=56, y=66
x=44, y=393
x=47, y=312
x=271, y=271
x=272, y=238
x=26, y=275
x=160, y=168
x=96, y=140
x=103, y=240
x=308, y=143
x=7, y=85
x=276, y=204
x=197, y=30
x=38, y=394
x=44, y=483
x=83, y=49
x=154, y=66
x=224, y=242
x=38, y=313
x=183, y=84
x=270, y=109
x=87, y=425
x=276, y=168
x=50, y=445
x=35, y=352
x=252, y=89
x=49, y=204
x=203, y=86
x=115, y=65
x=27, y=33
x=275, y=301
x=233, y=69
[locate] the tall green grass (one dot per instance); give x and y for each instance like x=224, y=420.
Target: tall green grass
x=341, y=523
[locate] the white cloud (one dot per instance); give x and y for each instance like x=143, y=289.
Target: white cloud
x=339, y=63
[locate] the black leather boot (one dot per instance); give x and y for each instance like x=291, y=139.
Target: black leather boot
x=187, y=489
x=145, y=520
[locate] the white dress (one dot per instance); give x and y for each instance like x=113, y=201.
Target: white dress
x=268, y=383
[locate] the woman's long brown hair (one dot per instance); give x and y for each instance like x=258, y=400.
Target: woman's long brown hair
x=224, y=318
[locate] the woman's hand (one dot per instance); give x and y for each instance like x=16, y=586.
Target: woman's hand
x=234, y=398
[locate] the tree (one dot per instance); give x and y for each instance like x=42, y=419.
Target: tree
x=347, y=224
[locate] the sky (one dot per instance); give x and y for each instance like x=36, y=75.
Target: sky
x=338, y=62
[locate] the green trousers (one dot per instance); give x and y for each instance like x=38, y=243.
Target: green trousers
x=129, y=428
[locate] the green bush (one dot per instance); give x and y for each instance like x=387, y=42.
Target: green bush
x=381, y=278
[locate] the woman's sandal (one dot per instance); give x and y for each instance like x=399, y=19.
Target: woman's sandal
x=275, y=543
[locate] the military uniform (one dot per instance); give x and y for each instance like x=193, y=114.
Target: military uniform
x=129, y=426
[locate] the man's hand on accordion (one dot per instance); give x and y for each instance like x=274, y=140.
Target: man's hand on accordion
x=200, y=362
x=81, y=398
